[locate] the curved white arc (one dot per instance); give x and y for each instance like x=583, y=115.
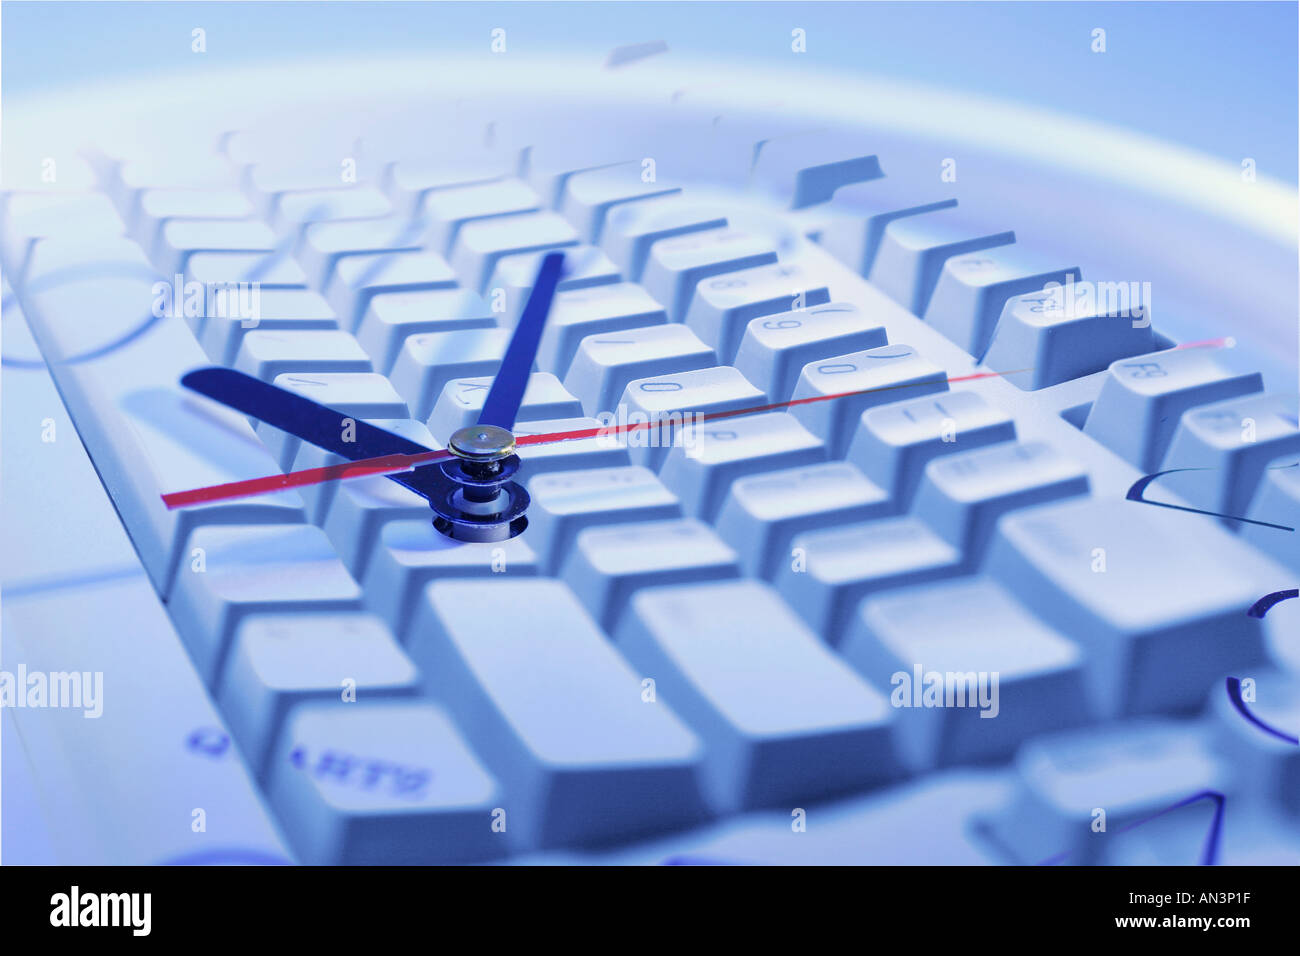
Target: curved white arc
x=1266, y=206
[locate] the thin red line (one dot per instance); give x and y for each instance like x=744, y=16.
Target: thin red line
x=1207, y=343
x=391, y=464
x=382, y=465
x=713, y=416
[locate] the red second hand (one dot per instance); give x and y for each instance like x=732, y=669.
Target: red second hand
x=391, y=464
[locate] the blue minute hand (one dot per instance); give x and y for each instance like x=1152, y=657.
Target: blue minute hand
x=507, y=393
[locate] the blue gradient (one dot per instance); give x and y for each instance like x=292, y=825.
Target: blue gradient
x=1219, y=77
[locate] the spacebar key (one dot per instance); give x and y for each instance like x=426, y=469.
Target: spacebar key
x=583, y=751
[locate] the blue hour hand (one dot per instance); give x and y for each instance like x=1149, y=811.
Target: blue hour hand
x=507, y=393
x=314, y=423
x=488, y=506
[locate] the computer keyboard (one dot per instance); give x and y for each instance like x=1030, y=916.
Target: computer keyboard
x=913, y=460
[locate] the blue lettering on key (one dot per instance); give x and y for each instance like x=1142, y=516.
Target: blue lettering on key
x=209, y=741
x=364, y=773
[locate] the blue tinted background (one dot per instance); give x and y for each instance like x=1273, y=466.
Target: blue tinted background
x=1220, y=77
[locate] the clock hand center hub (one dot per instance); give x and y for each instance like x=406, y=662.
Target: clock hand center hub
x=483, y=504
x=481, y=443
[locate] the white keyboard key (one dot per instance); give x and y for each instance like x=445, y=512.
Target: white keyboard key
x=234, y=571
x=676, y=265
x=783, y=719
x=1143, y=399
x=550, y=157
x=319, y=498
x=914, y=249
x=832, y=570
x=1038, y=342
x=973, y=288
x=1277, y=501
x=589, y=741
x=409, y=183
x=322, y=245
x=606, y=362
x=359, y=278
x=715, y=454
x=613, y=307
x=844, y=386
x=1155, y=598
x=894, y=442
x=963, y=495
x=289, y=191
x=631, y=229
x=723, y=305
x=864, y=211
x=1270, y=764
x=293, y=208
x=279, y=661
x=461, y=403
x=1132, y=770
x=280, y=310
x=596, y=451
x=512, y=279
x=480, y=244
x=392, y=317
x=1013, y=677
x=761, y=514
x=805, y=169
x=1230, y=444
x=590, y=196
x=702, y=391
x=606, y=566
x=156, y=207
x=271, y=270
x=928, y=821
x=390, y=782
x=428, y=361
x=180, y=239
x=565, y=502
x=448, y=209
x=265, y=355
x=357, y=395
x=775, y=348
x=408, y=555
x=203, y=303
x=359, y=511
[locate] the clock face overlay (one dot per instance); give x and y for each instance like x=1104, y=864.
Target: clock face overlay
x=470, y=494
x=783, y=434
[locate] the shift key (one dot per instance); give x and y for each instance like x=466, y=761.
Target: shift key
x=1157, y=599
